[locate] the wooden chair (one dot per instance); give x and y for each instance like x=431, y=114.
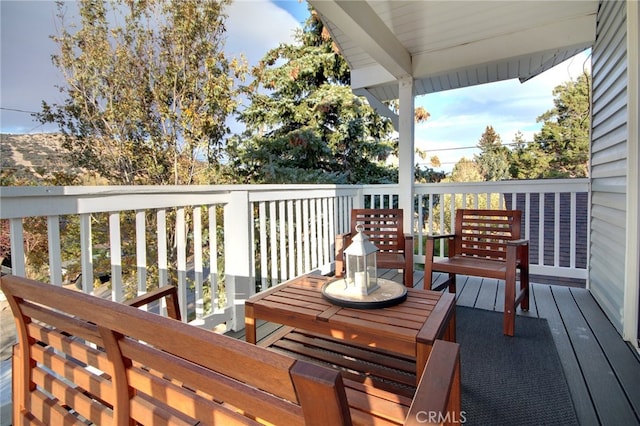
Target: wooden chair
x=384, y=227
x=486, y=243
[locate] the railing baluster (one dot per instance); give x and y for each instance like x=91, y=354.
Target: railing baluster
x=115, y=248
x=197, y=261
x=273, y=242
x=282, y=222
x=299, y=222
x=305, y=237
x=264, y=257
x=213, y=256
x=541, y=245
x=181, y=247
x=141, y=252
x=161, y=233
x=313, y=235
x=55, y=260
x=86, y=253
x=291, y=238
x=17, y=247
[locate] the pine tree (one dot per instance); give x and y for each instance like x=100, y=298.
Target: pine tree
x=304, y=124
x=493, y=159
x=564, y=136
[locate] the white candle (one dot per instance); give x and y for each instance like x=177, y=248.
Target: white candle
x=359, y=280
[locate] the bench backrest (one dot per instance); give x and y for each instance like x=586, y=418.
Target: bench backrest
x=383, y=227
x=80, y=356
x=484, y=233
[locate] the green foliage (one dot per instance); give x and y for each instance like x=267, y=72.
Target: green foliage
x=148, y=89
x=493, y=160
x=561, y=148
x=466, y=170
x=304, y=124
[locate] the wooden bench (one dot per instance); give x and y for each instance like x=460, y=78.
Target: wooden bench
x=81, y=360
x=384, y=228
x=486, y=243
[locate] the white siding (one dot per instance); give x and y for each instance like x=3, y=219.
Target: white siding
x=609, y=165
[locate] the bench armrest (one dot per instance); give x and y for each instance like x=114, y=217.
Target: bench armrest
x=438, y=394
x=168, y=291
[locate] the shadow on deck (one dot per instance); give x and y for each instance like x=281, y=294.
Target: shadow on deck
x=602, y=370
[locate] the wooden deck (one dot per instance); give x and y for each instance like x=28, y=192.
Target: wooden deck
x=602, y=370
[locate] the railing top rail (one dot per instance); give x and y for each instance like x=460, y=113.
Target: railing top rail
x=521, y=186
x=49, y=191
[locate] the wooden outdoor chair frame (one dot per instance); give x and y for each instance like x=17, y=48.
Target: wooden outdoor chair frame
x=486, y=243
x=384, y=228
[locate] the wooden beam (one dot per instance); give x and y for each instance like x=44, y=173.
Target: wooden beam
x=368, y=31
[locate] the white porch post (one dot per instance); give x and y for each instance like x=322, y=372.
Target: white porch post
x=406, y=150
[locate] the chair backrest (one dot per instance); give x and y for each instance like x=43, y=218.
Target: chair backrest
x=382, y=226
x=484, y=233
x=82, y=356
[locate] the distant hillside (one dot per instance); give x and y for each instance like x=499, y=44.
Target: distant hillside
x=23, y=154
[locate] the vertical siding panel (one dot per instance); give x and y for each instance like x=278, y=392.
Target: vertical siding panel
x=608, y=176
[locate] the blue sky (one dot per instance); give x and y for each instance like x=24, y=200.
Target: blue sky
x=458, y=117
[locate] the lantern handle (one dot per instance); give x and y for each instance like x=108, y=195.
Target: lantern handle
x=359, y=227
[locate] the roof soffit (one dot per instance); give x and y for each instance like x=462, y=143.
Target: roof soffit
x=443, y=40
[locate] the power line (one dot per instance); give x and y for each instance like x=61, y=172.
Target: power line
x=18, y=110
x=476, y=146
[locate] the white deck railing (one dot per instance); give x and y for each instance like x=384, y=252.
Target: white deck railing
x=221, y=244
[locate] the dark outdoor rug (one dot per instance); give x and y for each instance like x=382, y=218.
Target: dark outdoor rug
x=510, y=380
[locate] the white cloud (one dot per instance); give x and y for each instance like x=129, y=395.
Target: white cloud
x=28, y=76
x=459, y=117
x=256, y=26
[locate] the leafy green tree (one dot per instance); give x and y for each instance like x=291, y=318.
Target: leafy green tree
x=493, y=159
x=561, y=148
x=304, y=124
x=466, y=170
x=528, y=161
x=564, y=136
x=148, y=88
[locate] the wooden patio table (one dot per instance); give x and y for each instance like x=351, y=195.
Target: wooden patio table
x=409, y=328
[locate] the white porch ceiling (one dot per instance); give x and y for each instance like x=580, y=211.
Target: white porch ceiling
x=452, y=44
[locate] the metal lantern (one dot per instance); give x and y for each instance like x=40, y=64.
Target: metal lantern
x=362, y=276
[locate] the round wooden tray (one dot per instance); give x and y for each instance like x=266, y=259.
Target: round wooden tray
x=387, y=294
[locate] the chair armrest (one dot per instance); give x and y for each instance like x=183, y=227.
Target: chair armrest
x=438, y=394
x=168, y=291
x=342, y=242
x=439, y=236
x=408, y=245
x=517, y=242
